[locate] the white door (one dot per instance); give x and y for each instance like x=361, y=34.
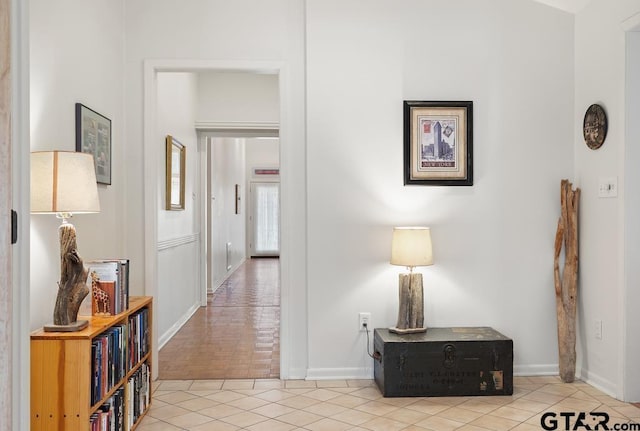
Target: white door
x=264, y=219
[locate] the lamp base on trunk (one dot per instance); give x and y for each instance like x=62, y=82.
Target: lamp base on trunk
x=407, y=331
x=76, y=326
x=411, y=310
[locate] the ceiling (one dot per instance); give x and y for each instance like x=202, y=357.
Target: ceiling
x=572, y=6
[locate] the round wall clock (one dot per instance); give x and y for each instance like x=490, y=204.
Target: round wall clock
x=594, y=127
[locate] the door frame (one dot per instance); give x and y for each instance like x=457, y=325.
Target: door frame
x=6, y=278
x=14, y=400
x=206, y=132
x=630, y=300
x=293, y=362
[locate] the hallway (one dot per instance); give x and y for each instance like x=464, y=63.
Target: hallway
x=237, y=335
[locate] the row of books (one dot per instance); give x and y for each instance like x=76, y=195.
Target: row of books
x=117, y=350
x=139, y=390
x=110, y=415
x=139, y=343
x=110, y=276
x=108, y=353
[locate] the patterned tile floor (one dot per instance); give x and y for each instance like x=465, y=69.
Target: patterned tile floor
x=242, y=321
x=236, y=335
x=263, y=405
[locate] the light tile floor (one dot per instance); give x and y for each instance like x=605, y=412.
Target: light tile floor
x=261, y=405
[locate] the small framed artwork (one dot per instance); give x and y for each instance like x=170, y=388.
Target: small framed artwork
x=594, y=126
x=176, y=166
x=93, y=136
x=237, y=198
x=438, y=143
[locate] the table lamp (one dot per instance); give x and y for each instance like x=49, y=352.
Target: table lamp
x=64, y=183
x=411, y=247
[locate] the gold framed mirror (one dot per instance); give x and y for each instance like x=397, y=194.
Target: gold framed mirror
x=176, y=166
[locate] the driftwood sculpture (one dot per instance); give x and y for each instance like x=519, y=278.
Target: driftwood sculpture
x=72, y=287
x=566, y=283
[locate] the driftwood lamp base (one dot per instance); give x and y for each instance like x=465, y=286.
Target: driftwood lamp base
x=411, y=310
x=78, y=325
x=72, y=287
x=399, y=331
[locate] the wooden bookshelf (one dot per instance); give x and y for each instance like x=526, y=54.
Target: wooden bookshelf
x=61, y=372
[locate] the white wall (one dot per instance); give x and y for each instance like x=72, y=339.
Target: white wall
x=261, y=153
x=493, y=242
x=602, y=223
x=177, y=110
x=76, y=55
x=227, y=170
x=178, y=290
x=273, y=34
x=515, y=60
x=228, y=97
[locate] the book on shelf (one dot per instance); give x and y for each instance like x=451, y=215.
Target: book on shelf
x=138, y=336
x=108, y=364
x=105, y=305
x=110, y=415
x=109, y=280
x=138, y=387
x=118, y=350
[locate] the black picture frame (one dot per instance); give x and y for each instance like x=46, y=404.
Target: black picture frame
x=237, y=189
x=93, y=136
x=450, y=161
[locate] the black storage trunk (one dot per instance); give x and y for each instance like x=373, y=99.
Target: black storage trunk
x=444, y=362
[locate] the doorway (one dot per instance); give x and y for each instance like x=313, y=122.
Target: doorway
x=264, y=219
x=237, y=334
x=217, y=222
x=292, y=262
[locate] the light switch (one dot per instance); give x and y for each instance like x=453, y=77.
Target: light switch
x=608, y=187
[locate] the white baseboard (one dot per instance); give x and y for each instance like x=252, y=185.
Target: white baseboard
x=295, y=374
x=367, y=373
x=339, y=374
x=592, y=379
x=164, y=338
x=598, y=382
x=227, y=275
x=536, y=370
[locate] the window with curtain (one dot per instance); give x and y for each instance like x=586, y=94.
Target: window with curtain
x=266, y=219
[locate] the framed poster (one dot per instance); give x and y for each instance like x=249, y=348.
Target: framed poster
x=438, y=143
x=93, y=136
x=176, y=165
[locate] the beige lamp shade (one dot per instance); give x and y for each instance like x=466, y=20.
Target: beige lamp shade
x=63, y=182
x=411, y=246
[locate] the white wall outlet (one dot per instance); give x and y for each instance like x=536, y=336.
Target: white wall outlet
x=597, y=329
x=608, y=187
x=364, y=321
